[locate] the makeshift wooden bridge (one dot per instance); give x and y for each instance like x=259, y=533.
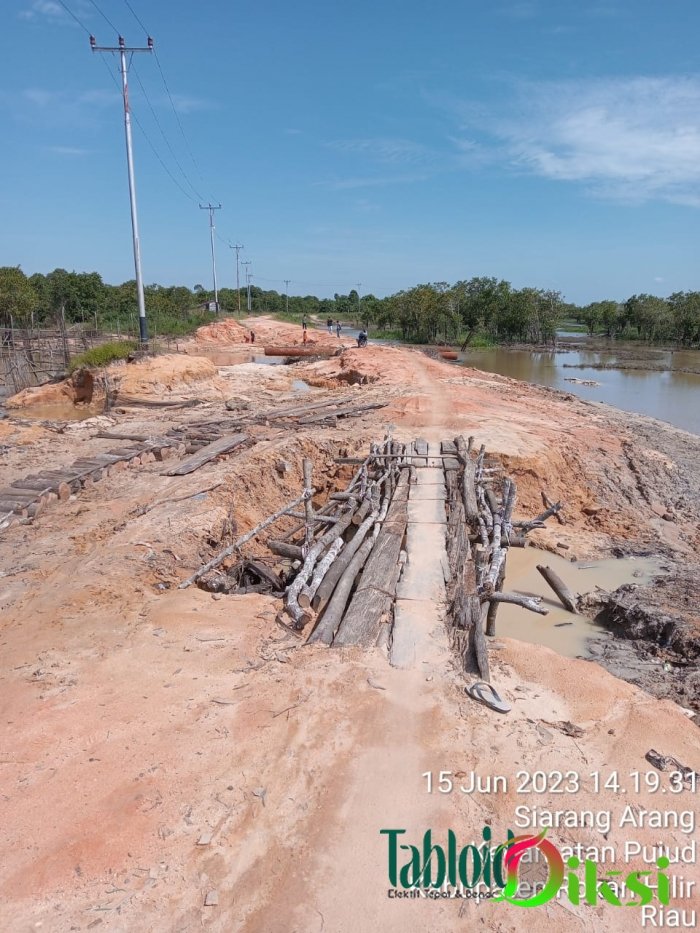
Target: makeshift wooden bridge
x=418, y=537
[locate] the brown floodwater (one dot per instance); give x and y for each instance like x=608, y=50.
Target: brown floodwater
x=63, y=411
x=562, y=631
x=669, y=395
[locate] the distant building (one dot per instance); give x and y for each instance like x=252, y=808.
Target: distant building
x=210, y=306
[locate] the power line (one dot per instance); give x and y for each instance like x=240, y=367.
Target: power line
x=150, y=143
x=71, y=13
x=174, y=109
x=104, y=17
x=177, y=117
x=135, y=15
x=165, y=138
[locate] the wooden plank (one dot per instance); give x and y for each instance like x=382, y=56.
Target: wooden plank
x=343, y=412
x=206, y=454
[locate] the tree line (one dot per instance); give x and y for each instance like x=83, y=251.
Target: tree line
x=479, y=310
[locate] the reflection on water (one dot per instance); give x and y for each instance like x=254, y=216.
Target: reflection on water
x=562, y=631
x=671, y=396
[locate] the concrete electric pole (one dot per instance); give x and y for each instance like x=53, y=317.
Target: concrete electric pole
x=248, y=277
x=238, y=247
x=211, y=208
x=122, y=48
x=286, y=294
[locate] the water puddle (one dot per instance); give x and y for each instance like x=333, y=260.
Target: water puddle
x=562, y=631
x=60, y=412
x=300, y=387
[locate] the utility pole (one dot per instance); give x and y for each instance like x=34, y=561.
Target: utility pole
x=286, y=294
x=238, y=247
x=247, y=284
x=122, y=48
x=211, y=208
x=359, y=313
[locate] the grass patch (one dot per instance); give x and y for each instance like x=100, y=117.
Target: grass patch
x=103, y=355
x=481, y=342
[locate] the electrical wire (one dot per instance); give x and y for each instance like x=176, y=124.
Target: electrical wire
x=72, y=14
x=104, y=17
x=179, y=121
x=162, y=133
x=148, y=140
x=135, y=15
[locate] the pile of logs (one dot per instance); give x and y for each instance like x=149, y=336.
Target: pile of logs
x=480, y=533
x=345, y=557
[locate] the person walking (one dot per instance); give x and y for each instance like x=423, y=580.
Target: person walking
x=337, y=329
x=303, y=323
x=329, y=325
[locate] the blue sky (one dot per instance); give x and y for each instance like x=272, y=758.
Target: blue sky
x=553, y=143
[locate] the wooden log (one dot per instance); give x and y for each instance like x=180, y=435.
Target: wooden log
x=289, y=411
x=330, y=580
x=284, y=549
x=478, y=638
x=539, y=519
x=362, y=510
x=239, y=542
x=315, y=350
x=533, y=603
x=62, y=490
x=298, y=614
x=22, y=507
x=307, y=594
x=307, y=470
x=566, y=597
x=325, y=631
x=375, y=594
x=449, y=354
x=117, y=436
x=471, y=506
x=206, y=454
x=548, y=504
x=343, y=412
x=266, y=575
x=493, y=603
x=23, y=495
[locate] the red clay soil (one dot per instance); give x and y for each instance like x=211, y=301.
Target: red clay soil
x=160, y=744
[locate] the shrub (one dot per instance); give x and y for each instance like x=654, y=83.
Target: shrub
x=103, y=355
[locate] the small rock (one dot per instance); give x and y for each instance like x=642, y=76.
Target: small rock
x=204, y=839
x=238, y=404
x=216, y=596
x=283, y=466
x=212, y=899
x=668, y=517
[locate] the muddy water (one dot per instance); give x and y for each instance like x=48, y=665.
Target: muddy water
x=60, y=412
x=670, y=396
x=564, y=632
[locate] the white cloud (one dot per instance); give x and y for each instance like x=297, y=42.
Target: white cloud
x=53, y=12
x=633, y=139
x=69, y=151
x=386, y=150
x=187, y=104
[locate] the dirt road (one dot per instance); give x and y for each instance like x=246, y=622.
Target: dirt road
x=159, y=745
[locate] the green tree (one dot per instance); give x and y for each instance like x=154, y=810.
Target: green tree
x=18, y=298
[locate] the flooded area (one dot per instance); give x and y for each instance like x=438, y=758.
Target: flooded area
x=562, y=631
x=670, y=395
